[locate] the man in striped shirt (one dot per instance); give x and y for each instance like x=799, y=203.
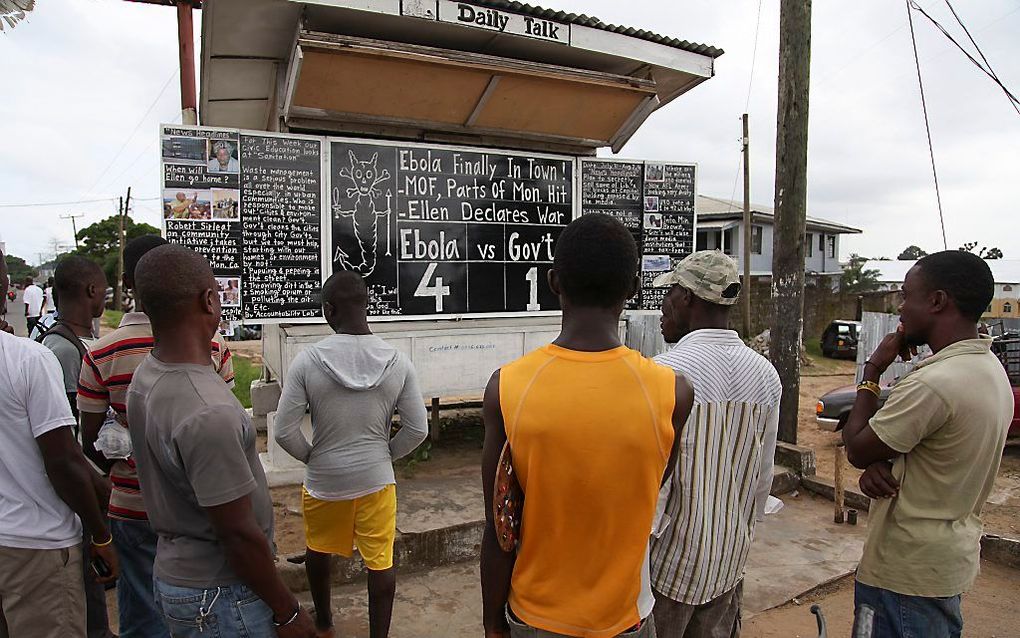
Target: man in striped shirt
x=724, y=472
x=105, y=376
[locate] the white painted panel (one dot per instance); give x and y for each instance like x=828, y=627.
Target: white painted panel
x=277, y=456
x=235, y=79
x=535, y=340
x=457, y=364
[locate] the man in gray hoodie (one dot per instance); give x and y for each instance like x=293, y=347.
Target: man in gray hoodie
x=352, y=382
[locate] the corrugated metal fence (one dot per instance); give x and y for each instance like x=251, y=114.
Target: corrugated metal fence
x=874, y=327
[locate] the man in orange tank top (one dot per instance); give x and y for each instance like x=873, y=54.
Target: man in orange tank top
x=591, y=425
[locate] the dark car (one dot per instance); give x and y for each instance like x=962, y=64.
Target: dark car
x=839, y=339
x=833, y=407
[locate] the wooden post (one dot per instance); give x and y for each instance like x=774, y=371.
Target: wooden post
x=790, y=207
x=839, y=458
x=434, y=431
x=746, y=301
x=186, y=49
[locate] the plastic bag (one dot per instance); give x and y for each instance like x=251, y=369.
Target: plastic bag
x=114, y=440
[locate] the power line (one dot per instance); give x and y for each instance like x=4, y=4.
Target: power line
x=927, y=127
x=133, y=131
x=988, y=65
x=754, y=57
x=37, y=204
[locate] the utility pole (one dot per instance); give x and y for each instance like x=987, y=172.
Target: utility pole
x=74, y=226
x=746, y=301
x=791, y=207
x=118, y=293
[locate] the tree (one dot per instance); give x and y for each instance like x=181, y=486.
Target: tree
x=18, y=269
x=100, y=242
x=984, y=252
x=856, y=279
x=912, y=253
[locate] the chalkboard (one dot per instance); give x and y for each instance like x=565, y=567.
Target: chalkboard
x=656, y=202
x=615, y=187
x=281, y=212
x=667, y=233
x=447, y=231
x=200, y=204
x=251, y=203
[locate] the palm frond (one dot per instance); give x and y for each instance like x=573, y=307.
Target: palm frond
x=14, y=11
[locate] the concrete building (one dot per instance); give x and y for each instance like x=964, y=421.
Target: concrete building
x=720, y=223
x=1005, y=304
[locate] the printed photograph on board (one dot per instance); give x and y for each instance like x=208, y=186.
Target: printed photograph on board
x=655, y=172
x=651, y=203
x=225, y=204
x=230, y=291
x=185, y=150
x=653, y=221
x=222, y=157
x=655, y=263
x=187, y=204
x=227, y=328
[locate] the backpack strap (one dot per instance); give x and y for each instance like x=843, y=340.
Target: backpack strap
x=62, y=329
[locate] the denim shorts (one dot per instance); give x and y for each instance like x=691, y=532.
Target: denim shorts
x=218, y=612
x=903, y=616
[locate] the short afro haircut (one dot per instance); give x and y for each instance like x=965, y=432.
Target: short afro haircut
x=345, y=288
x=136, y=248
x=73, y=274
x=169, y=278
x=596, y=261
x=964, y=277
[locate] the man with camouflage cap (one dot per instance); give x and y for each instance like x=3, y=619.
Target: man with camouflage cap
x=724, y=473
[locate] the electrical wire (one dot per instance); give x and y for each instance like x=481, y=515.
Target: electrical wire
x=988, y=65
x=1014, y=102
x=37, y=204
x=927, y=127
x=129, y=137
x=754, y=58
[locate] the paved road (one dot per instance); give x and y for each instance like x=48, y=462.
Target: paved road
x=16, y=315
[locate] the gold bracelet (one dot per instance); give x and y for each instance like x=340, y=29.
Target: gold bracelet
x=870, y=386
x=95, y=544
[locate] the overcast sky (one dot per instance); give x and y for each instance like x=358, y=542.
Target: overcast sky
x=85, y=84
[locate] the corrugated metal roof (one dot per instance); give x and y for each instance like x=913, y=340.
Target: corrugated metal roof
x=1004, y=271
x=719, y=208
x=593, y=22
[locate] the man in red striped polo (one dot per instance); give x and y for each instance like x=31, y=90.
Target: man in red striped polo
x=105, y=376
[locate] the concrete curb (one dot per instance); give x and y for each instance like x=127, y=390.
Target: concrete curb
x=411, y=552
x=796, y=457
x=1001, y=550
x=439, y=547
x=825, y=487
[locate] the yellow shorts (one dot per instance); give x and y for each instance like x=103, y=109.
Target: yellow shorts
x=368, y=522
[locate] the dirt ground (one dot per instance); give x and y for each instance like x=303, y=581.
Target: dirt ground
x=989, y=609
x=1001, y=514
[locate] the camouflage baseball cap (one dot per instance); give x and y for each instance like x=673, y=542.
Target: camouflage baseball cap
x=709, y=274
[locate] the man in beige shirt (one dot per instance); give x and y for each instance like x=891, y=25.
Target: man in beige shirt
x=942, y=428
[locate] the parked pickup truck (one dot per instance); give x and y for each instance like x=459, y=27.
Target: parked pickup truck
x=833, y=408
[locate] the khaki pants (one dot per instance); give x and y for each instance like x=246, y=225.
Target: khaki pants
x=41, y=593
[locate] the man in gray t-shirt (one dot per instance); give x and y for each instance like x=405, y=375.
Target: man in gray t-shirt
x=198, y=467
x=194, y=446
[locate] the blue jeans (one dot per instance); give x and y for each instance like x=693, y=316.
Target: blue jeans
x=135, y=543
x=231, y=611
x=902, y=616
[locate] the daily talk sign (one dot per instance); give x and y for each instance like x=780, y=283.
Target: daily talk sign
x=471, y=15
